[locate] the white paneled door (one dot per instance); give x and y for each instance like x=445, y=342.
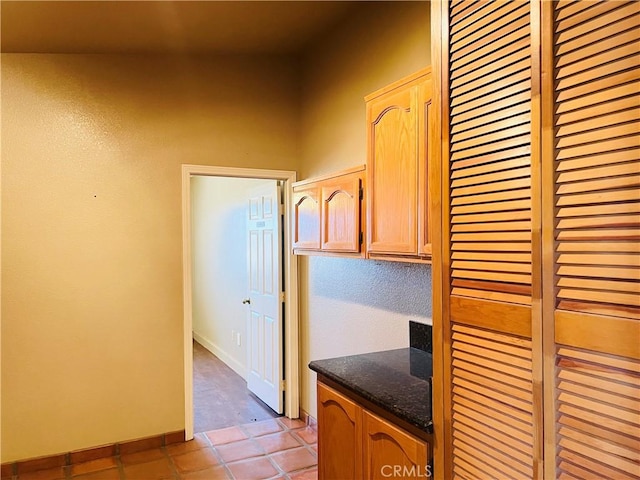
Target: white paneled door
x=265, y=300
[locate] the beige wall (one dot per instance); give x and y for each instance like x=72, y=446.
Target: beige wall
x=91, y=230
x=384, y=43
x=354, y=306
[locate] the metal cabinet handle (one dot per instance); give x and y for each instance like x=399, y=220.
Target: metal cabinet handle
x=246, y=300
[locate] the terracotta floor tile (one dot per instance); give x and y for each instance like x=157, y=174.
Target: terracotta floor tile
x=239, y=450
x=295, y=459
x=93, y=466
x=262, y=428
x=305, y=475
x=215, y=473
x=199, y=441
x=196, y=460
x=225, y=435
x=278, y=441
x=56, y=473
x=291, y=423
x=154, y=470
x=142, y=457
x=308, y=434
x=253, y=469
x=220, y=396
x=110, y=474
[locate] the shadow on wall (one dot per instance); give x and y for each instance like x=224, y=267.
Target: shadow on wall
x=404, y=288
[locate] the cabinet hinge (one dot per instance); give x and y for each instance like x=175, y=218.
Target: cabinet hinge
x=361, y=193
x=281, y=209
x=283, y=384
x=282, y=296
x=361, y=238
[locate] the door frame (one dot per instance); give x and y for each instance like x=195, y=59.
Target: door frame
x=290, y=274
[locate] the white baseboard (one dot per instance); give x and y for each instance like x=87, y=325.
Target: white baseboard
x=221, y=354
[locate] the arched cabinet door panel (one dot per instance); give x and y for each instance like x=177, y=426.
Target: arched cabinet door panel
x=328, y=214
x=339, y=436
x=356, y=444
x=341, y=214
x=389, y=451
x=398, y=130
x=306, y=217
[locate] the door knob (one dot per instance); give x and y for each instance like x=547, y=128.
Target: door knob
x=246, y=300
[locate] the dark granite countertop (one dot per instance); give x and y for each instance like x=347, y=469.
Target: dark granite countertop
x=399, y=381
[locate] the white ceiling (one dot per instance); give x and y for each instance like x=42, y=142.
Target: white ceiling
x=163, y=26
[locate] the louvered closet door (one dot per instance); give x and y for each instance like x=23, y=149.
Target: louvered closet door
x=596, y=161
x=495, y=418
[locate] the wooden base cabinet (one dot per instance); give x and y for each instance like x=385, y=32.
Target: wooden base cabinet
x=339, y=436
x=356, y=444
x=390, y=452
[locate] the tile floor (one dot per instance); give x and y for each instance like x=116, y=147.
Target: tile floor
x=276, y=448
x=220, y=395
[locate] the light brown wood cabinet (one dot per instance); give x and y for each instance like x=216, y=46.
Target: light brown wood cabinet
x=339, y=436
x=327, y=213
x=306, y=217
x=537, y=277
x=355, y=443
x=390, y=452
x=398, y=131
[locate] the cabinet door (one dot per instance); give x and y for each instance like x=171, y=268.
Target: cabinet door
x=341, y=214
x=392, y=453
x=339, y=436
x=425, y=154
x=306, y=217
x=593, y=226
x=392, y=167
x=490, y=242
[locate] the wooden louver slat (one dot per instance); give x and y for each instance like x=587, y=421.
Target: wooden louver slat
x=492, y=404
x=597, y=249
x=599, y=414
x=598, y=158
x=490, y=196
x=482, y=26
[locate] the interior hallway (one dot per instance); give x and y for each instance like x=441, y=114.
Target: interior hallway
x=220, y=395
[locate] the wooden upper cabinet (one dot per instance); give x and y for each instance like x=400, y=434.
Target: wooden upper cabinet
x=392, y=452
x=339, y=436
x=341, y=213
x=306, y=217
x=328, y=213
x=397, y=178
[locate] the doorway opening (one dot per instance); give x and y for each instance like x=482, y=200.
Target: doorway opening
x=262, y=324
